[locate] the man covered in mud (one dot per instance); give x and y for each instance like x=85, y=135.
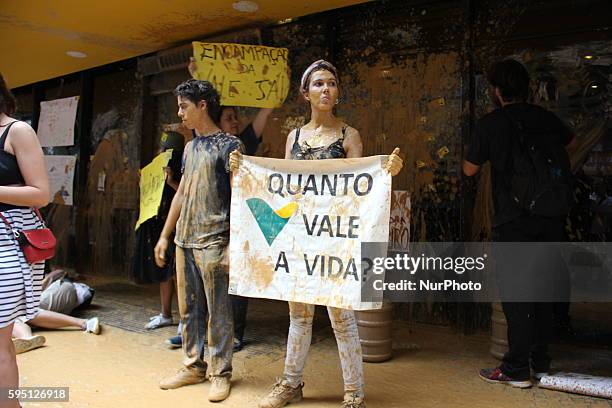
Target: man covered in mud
x=200, y=212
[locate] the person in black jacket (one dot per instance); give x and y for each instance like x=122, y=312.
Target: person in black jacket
x=529, y=323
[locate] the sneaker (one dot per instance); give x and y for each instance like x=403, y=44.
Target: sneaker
x=353, y=400
x=282, y=394
x=219, y=388
x=92, y=326
x=158, y=321
x=175, y=342
x=495, y=376
x=184, y=376
x=29, y=343
x=238, y=345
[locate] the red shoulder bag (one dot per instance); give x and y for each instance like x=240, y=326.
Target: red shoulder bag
x=36, y=244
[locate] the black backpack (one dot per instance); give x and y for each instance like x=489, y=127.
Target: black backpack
x=541, y=182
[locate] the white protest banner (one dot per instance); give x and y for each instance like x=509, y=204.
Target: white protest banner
x=56, y=123
x=61, y=177
x=297, y=228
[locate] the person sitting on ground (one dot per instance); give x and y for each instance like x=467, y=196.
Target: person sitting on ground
x=24, y=340
x=60, y=296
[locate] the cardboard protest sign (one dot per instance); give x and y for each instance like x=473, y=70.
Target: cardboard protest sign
x=152, y=181
x=297, y=228
x=244, y=75
x=56, y=123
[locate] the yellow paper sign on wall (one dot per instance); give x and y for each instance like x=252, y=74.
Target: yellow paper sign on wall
x=244, y=75
x=152, y=181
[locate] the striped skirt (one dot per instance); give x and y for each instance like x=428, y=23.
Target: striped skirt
x=20, y=282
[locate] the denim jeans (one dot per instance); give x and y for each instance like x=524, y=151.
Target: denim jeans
x=345, y=329
x=202, y=286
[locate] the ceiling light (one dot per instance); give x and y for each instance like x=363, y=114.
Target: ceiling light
x=594, y=86
x=588, y=57
x=245, y=6
x=76, y=54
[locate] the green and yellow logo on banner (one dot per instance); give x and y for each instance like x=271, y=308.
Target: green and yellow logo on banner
x=270, y=222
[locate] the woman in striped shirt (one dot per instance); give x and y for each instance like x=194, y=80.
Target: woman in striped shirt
x=23, y=185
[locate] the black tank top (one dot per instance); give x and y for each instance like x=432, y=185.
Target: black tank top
x=334, y=150
x=9, y=168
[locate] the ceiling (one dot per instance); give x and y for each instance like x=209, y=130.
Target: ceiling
x=36, y=34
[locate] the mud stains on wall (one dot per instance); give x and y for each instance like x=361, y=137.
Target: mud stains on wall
x=62, y=218
x=412, y=74
x=574, y=81
x=112, y=185
x=400, y=85
x=566, y=46
x=307, y=42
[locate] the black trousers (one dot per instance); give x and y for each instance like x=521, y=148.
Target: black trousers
x=529, y=323
x=240, y=306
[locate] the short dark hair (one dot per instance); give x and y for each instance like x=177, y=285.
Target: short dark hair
x=8, y=102
x=512, y=79
x=196, y=91
x=232, y=107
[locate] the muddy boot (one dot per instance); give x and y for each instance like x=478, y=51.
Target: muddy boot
x=353, y=400
x=185, y=376
x=29, y=343
x=282, y=394
x=219, y=388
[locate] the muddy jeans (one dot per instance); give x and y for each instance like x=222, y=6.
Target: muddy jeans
x=300, y=333
x=202, y=285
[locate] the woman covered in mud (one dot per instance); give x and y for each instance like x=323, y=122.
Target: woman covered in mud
x=324, y=137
